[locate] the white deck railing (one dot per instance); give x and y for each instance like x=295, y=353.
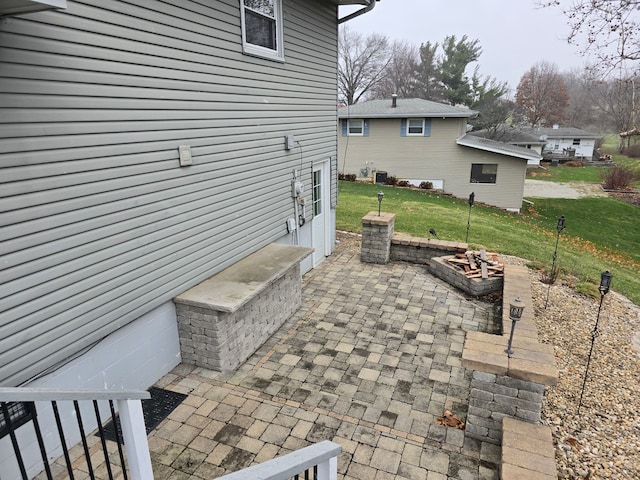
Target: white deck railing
x=129, y=408
x=323, y=454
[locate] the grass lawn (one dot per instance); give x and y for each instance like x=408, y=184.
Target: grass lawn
x=562, y=173
x=601, y=233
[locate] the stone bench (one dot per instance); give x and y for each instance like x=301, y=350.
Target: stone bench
x=527, y=451
x=226, y=318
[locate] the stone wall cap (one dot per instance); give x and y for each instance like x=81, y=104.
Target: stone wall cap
x=372, y=218
x=231, y=288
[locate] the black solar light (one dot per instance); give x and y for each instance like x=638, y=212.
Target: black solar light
x=605, y=284
x=472, y=199
x=434, y=233
x=380, y=195
x=516, y=307
x=554, y=273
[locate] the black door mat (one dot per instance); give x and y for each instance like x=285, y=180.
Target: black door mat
x=154, y=409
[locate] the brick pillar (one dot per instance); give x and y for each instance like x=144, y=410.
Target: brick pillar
x=377, y=231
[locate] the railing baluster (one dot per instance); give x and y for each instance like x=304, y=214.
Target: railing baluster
x=36, y=426
x=135, y=439
x=84, y=439
x=118, y=430
x=63, y=440
x=14, y=440
x=96, y=409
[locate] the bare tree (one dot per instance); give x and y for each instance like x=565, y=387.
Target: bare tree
x=542, y=95
x=583, y=111
x=608, y=28
x=401, y=72
x=362, y=62
x=616, y=101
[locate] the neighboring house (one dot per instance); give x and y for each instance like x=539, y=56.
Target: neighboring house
x=144, y=147
x=517, y=137
x=565, y=141
x=419, y=140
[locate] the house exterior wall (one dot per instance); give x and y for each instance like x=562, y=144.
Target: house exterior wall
x=100, y=224
x=437, y=157
x=140, y=361
x=559, y=145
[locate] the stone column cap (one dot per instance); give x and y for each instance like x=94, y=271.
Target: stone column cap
x=372, y=218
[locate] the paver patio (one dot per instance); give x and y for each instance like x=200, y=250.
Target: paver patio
x=370, y=361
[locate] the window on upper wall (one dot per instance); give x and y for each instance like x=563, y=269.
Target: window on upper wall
x=576, y=141
x=355, y=127
x=262, y=28
x=415, y=127
x=484, y=172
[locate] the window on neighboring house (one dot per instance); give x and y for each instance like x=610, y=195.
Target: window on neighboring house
x=415, y=126
x=576, y=141
x=418, y=127
x=262, y=28
x=484, y=172
x=355, y=127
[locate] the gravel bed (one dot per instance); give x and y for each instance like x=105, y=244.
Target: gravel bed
x=603, y=439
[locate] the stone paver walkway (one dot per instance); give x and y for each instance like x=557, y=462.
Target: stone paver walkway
x=370, y=361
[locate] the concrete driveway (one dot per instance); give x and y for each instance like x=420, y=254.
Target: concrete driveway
x=544, y=189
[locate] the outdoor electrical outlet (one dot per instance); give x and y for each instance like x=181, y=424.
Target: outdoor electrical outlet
x=289, y=142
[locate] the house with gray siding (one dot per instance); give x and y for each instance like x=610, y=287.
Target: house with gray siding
x=423, y=141
x=145, y=147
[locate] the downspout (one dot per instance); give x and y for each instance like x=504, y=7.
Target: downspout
x=362, y=11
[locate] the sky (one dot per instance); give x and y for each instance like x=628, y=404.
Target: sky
x=514, y=34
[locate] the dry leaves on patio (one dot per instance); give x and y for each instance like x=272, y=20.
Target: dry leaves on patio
x=450, y=420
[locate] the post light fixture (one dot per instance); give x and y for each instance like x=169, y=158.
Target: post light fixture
x=380, y=196
x=603, y=288
x=553, y=274
x=516, y=307
x=605, y=282
x=472, y=198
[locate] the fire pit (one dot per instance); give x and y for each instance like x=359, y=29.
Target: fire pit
x=476, y=273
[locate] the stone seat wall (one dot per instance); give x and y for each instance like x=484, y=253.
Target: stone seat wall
x=226, y=318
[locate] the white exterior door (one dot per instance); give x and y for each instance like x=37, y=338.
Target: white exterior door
x=320, y=205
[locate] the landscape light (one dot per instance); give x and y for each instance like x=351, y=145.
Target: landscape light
x=603, y=288
x=516, y=307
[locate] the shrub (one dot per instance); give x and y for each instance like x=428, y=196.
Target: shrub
x=574, y=163
x=403, y=183
x=391, y=180
x=632, y=151
x=426, y=185
x=349, y=177
x=618, y=178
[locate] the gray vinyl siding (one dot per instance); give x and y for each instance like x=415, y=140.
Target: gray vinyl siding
x=98, y=222
x=436, y=157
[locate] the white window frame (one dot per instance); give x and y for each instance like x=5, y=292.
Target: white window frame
x=260, y=50
x=409, y=127
x=349, y=125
